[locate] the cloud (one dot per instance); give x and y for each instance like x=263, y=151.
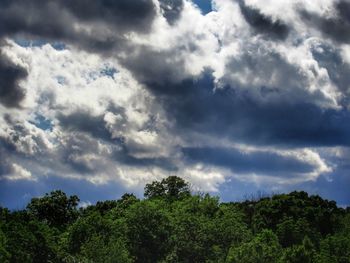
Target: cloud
x=258, y=162
x=11, y=93
x=124, y=15
x=97, y=26
x=23, y=16
x=262, y=23
x=334, y=26
x=13, y=171
x=92, y=135
x=224, y=113
x=19, y=173
x=83, y=121
x=171, y=9
x=127, y=92
x=334, y=61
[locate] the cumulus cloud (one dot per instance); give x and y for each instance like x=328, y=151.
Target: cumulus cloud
x=11, y=93
x=282, y=164
x=262, y=23
x=13, y=171
x=171, y=9
x=19, y=173
x=138, y=90
x=334, y=24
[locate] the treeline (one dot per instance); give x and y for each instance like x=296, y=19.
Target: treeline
x=173, y=225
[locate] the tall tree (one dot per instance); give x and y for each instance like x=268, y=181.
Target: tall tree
x=56, y=208
x=172, y=188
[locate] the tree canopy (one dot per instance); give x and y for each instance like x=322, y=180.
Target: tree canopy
x=172, y=187
x=171, y=224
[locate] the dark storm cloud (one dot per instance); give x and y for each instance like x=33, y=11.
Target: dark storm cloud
x=83, y=125
x=49, y=18
x=251, y=162
x=105, y=24
x=264, y=67
x=11, y=94
x=171, y=9
x=57, y=20
x=130, y=15
x=262, y=23
x=330, y=58
x=196, y=107
x=166, y=64
x=278, y=105
x=84, y=121
x=97, y=26
x=337, y=27
x=6, y=159
x=126, y=158
x=4, y=164
x=36, y=18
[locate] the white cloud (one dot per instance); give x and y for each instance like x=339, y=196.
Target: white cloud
x=19, y=173
x=138, y=138
x=205, y=178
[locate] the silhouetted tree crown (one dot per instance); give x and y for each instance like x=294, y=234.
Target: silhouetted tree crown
x=56, y=208
x=172, y=188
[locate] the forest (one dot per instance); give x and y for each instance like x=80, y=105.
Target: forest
x=174, y=224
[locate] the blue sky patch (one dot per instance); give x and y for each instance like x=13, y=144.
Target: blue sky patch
x=108, y=71
x=42, y=123
x=204, y=5
x=39, y=43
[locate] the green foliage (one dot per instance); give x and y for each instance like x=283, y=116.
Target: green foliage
x=4, y=254
x=97, y=250
x=304, y=253
x=264, y=248
x=292, y=232
x=171, y=225
x=148, y=230
x=321, y=215
x=171, y=188
x=55, y=208
x=29, y=241
x=204, y=230
x=193, y=233
x=335, y=249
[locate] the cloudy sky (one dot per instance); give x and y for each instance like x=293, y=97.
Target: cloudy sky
x=99, y=97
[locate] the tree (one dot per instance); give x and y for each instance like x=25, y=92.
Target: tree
x=174, y=226
x=335, y=249
x=30, y=241
x=304, y=253
x=148, y=231
x=99, y=250
x=321, y=215
x=55, y=208
x=4, y=254
x=193, y=232
x=292, y=232
x=203, y=230
x=264, y=248
x=172, y=188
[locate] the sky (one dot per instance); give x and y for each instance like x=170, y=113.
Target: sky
x=238, y=97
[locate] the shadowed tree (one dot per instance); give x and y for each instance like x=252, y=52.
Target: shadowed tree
x=148, y=230
x=172, y=188
x=304, y=253
x=4, y=255
x=56, y=208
